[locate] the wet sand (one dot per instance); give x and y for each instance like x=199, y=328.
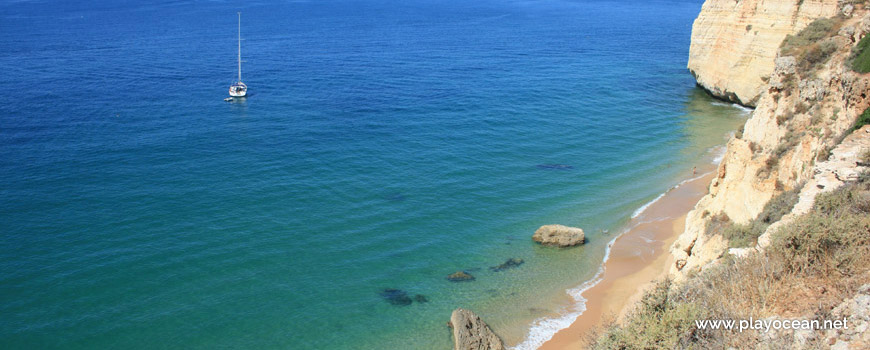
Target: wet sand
x=637, y=258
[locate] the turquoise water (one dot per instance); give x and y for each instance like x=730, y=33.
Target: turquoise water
x=384, y=145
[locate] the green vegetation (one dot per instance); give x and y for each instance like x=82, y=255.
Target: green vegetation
x=828, y=248
x=863, y=119
x=812, y=46
x=815, y=31
x=746, y=235
x=860, y=58
x=663, y=320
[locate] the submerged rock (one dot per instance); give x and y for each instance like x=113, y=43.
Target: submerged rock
x=509, y=264
x=555, y=166
x=471, y=333
x=395, y=197
x=420, y=298
x=460, y=276
x=559, y=235
x=396, y=296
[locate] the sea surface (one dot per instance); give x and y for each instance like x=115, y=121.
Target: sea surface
x=384, y=145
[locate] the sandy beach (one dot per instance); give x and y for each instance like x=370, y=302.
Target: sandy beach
x=637, y=258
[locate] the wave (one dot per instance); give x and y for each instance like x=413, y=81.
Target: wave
x=744, y=109
x=544, y=328
x=645, y=206
x=718, y=154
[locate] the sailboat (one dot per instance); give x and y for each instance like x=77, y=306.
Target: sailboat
x=239, y=89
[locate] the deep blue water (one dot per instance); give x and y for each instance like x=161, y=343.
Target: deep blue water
x=384, y=145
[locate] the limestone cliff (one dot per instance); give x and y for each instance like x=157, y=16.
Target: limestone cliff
x=734, y=43
x=803, y=111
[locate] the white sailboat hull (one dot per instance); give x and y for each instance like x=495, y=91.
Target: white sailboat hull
x=239, y=89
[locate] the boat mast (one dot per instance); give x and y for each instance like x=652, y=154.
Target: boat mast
x=240, y=46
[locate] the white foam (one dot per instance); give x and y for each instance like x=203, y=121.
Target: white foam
x=544, y=328
x=744, y=109
x=645, y=206
x=718, y=154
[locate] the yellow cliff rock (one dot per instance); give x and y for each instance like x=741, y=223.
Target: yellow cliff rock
x=734, y=43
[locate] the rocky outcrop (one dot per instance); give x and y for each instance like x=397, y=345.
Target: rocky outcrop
x=842, y=165
x=559, y=235
x=460, y=276
x=800, y=117
x=856, y=312
x=734, y=43
x=508, y=264
x=471, y=333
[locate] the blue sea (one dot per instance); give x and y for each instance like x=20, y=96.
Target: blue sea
x=383, y=146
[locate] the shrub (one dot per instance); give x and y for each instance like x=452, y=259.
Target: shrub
x=746, y=235
x=801, y=108
x=860, y=57
x=820, y=244
x=815, y=31
x=661, y=321
x=842, y=201
x=812, y=264
x=824, y=154
x=864, y=178
x=862, y=120
x=778, y=206
x=817, y=54
x=739, y=236
x=784, y=117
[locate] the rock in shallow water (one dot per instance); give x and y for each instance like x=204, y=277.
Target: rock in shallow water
x=509, y=264
x=471, y=333
x=555, y=166
x=460, y=276
x=559, y=235
x=420, y=298
x=396, y=296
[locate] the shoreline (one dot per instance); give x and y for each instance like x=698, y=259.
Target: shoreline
x=637, y=257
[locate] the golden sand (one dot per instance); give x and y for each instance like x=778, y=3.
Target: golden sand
x=637, y=259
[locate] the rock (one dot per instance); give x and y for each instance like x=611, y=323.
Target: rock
x=847, y=10
x=847, y=32
x=555, y=166
x=785, y=65
x=559, y=235
x=680, y=264
x=396, y=297
x=812, y=89
x=740, y=252
x=460, y=276
x=509, y=264
x=856, y=311
x=471, y=333
x=420, y=298
x=734, y=43
x=784, y=68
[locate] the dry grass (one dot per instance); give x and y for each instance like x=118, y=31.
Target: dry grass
x=810, y=266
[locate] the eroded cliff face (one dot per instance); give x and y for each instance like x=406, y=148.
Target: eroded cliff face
x=802, y=114
x=734, y=43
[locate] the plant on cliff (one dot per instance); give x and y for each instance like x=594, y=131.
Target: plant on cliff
x=811, y=265
x=862, y=120
x=859, y=60
x=662, y=320
x=812, y=46
x=815, y=31
x=746, y=235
